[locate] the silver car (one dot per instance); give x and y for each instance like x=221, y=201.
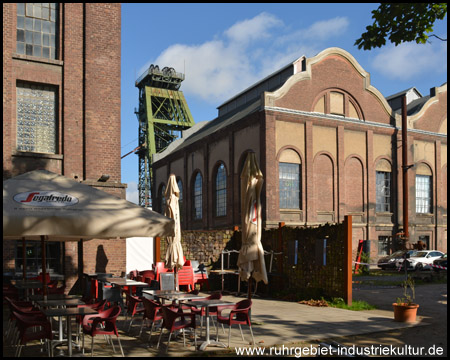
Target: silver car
x=421, y=260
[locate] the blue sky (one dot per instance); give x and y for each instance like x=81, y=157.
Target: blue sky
x=224, y=48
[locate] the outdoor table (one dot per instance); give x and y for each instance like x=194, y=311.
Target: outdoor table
x=207, y=304
x=126, y=282
x=59, y=303
x=68, y=312
x=38, y=297
x=174, y=297
x=28, y=284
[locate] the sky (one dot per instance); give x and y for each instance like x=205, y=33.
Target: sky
x=224, y=48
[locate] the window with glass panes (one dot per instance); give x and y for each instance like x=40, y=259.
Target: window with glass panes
x=423, y=194
x=33, y=256
x=383, y=245
x=163, y=199
x=180, y=199
x=289, y=182
x=198, y=197
x=36, y=118
x=383, y=191
x=221, y=191
x=37, y=29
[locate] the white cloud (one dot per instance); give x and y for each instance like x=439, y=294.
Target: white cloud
x=323, y=30
x=243, y=54
x=253, y=29
x=409, y=60
x=132, y=192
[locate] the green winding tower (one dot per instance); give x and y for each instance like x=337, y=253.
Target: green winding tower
x=163, y=113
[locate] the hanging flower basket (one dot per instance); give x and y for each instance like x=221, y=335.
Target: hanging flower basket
x=404, y=312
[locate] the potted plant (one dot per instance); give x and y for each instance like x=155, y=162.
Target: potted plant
x=405, y=310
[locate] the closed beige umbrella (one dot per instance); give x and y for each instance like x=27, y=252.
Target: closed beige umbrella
x=174, y=253
x=251, y=255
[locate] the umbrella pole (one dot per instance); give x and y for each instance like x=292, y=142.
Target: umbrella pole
x=250, y=287
x=44, y=271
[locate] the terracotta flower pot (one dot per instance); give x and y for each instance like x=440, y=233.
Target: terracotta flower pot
x=404, y=312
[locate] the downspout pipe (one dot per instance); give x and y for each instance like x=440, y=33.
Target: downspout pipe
x=405, y=168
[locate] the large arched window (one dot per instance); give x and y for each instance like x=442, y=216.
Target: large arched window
x=221, y=191
x=289, y=176
x=338, y=102
x=180, y=199
x=162, y=198
x=383, y=186
x=198, y=198
x=424, y=190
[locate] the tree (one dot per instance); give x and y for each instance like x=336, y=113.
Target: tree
x=402, y=23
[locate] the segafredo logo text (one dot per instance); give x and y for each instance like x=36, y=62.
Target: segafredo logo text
x=45, y=198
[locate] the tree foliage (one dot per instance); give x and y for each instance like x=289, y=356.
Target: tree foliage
x=402, y=23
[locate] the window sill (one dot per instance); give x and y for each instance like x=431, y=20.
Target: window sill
x=38, y=155
x=38, y=59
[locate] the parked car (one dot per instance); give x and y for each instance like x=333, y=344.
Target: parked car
x=442, y=261
x=421, y=260
x=389, y=262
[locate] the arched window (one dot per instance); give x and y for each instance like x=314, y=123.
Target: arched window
x=180, y=199
x=383, y=186
x=162, y=198
x=424, y=190
x=289, y=176
x=337, y=102
x=198, y=201
x=221, y=191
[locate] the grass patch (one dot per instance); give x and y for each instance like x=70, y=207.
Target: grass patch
x=357, y=305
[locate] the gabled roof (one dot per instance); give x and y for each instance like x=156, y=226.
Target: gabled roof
x=403, y=93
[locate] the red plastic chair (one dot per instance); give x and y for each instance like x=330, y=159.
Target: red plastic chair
x=97, y=306
x=133, y=274
x=170, y=323
x=159, y=268
x=23, y=308
x=11, y=292
x=94, y=289
x=43, y=331
x=238, y=315
x=57, y=290
x=134, y=307
x=152, y=312
x=103, y=323
x=185, y=277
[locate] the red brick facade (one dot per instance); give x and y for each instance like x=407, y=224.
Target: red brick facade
x=340, y=129
x=86, y=76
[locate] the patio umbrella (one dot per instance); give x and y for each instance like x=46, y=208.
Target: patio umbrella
x=174, y=253
x=251, y=255
x=41, y=205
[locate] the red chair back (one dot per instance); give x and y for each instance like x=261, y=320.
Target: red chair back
x=159, y=268
x=148, y=276
x=94, y=289
x=153, y=310
x=185, y=277
x=41, y=277
x=243, y=306
x=133, y=303
x=107, y=317
x=25, y=322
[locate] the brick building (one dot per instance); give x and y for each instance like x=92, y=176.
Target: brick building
x=61, y=112
x=328, y=144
